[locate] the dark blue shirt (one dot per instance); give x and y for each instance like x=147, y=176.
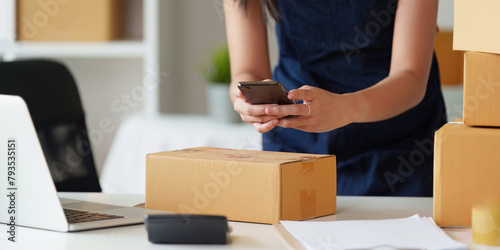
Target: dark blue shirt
x=344, y=46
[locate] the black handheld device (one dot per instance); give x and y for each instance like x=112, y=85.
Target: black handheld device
x=187, y=229
x=265, y=92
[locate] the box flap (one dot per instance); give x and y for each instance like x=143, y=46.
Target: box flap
x=209, y=153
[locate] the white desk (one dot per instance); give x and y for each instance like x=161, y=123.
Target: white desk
x=141, y=134
x=244, y=235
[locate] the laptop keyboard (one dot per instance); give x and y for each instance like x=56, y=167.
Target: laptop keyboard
x=76, y=216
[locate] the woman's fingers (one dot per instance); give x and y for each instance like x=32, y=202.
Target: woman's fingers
x=305, y=92
x=288, y=110
x=255, y=115
x=265, y=126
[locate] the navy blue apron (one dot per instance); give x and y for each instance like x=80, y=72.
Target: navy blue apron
x=344, y=46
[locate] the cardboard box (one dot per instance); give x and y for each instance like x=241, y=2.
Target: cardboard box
x=466, y=171
x=69, y=20
x=451, y=63
x=243, y=185
x=475, y=25
x=481, y=89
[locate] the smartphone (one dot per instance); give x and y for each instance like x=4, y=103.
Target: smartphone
x=265, y=92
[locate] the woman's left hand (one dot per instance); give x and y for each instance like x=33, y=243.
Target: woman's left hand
x=321, y=111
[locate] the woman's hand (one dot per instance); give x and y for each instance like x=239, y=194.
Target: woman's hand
x=321, y=111
x=254, y=114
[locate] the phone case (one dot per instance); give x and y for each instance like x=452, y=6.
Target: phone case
x=265, y=92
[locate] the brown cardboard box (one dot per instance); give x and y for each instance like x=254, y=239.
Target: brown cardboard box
x=243, y=185
x=451, y=63
x=466, y=171
x=69, y=20
x=482, y=89
x=475, y=25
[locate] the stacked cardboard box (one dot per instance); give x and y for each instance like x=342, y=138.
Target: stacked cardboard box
x=476, y=31
x=466, y=171
x=482, y=89
x=467, y=154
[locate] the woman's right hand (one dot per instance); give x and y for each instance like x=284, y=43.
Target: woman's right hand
x=246, y=33
x=254, y=114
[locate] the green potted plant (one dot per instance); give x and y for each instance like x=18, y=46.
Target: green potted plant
x=218, y=76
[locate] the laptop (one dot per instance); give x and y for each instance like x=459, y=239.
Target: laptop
x=29, y=197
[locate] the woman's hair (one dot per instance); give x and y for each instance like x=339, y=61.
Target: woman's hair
x=270, y=5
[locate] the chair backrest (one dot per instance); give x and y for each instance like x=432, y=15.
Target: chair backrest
x=52, y=97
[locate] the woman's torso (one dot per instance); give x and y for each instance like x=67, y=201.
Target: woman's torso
x=344, y=46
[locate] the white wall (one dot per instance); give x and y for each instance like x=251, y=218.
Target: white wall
x=198, y=28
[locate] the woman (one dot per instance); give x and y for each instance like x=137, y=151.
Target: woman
x=367, y=76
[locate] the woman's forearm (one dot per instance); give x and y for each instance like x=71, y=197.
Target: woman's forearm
x=411, y=60
x=390, y=97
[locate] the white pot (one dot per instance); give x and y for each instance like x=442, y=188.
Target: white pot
x=220, y=107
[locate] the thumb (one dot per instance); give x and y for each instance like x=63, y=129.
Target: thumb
x=302, y=93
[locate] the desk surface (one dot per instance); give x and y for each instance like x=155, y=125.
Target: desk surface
x=244, y=235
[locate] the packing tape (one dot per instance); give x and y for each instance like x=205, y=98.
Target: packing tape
x=307, y=166
x=307, y=197
x=308, y=204
x=486, y=223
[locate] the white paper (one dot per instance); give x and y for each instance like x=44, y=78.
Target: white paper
x=407, y=233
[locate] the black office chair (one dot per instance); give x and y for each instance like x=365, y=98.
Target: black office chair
x=51, y=94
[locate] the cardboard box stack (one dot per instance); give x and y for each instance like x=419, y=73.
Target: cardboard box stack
x=243, y=185
x=476, y=31
x=467, y=154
